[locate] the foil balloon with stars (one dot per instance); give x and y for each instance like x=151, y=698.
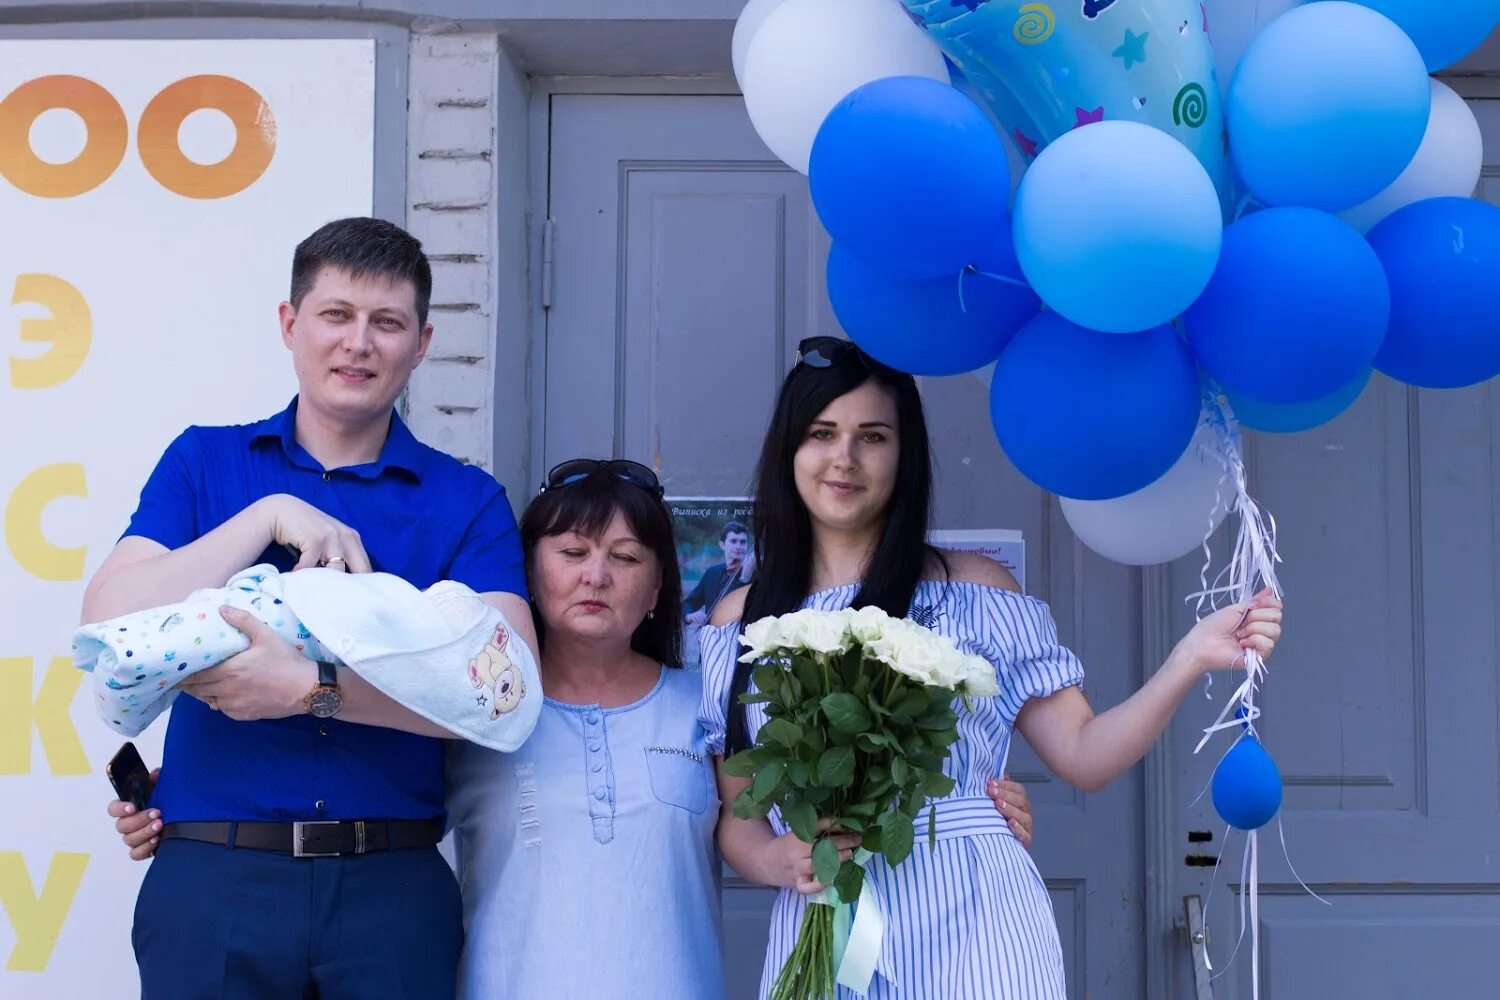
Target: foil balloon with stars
x=1045, y=68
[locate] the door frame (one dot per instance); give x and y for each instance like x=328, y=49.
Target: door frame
x=539, y=159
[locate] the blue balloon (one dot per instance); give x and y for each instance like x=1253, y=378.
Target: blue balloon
x=1091, y=415
x=1247, y=786
x=1444, y=30
x=932, y=326
x=1288, y=418
x=1117, y=226
x=909, y=174
x=1442, y=256
x=1328, y=106
x=1296, y=309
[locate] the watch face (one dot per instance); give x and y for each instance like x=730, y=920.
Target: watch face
x=324, y=703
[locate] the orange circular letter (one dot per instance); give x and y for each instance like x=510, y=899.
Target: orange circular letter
x=102, y=150
x=254, y=137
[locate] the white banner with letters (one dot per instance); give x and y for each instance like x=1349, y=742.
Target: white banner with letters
x=151, y=193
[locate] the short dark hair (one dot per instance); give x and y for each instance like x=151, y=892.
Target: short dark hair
x=365, y=248
x=783, y=528
x=587, y=507
x=732, y=528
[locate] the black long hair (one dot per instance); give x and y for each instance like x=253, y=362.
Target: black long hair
x=783, y=529
x=587, y=507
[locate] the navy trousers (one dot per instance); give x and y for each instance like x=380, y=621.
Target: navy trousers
x=213, y=922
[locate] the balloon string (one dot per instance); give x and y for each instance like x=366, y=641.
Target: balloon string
x=1244, y=204
x=971, y=269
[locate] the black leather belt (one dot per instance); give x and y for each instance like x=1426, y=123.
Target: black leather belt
x=313, y=839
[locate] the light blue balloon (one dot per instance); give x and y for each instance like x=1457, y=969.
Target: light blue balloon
x=1090, y=415
x=1046, y=68
x=1117, y=227
x=932, y=326
x=1444, y=30
x=1247, y=786
x=1296, y=310
x=1289, y=418
x=1442, y=257
x=1327, y=107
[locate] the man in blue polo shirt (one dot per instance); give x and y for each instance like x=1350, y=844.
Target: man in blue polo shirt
x=300, y=808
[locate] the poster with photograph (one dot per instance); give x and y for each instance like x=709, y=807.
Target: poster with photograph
x=715, y=555
x=1004, y=545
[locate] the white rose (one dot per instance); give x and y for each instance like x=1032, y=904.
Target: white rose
x=794, y=628
x=919, y=657
x=760, y=637
x=981, y=681
x=869, y=623
x=827, y=633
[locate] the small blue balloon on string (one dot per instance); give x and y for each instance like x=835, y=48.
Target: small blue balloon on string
x=1247, y=785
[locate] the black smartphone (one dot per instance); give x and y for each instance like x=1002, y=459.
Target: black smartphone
x=129, y=776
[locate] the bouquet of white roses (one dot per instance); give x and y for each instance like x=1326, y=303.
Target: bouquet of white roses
x=860, y=721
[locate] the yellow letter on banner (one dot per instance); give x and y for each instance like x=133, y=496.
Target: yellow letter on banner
x=38, y=919
x=69, y=330
x=48, y=713
x=23, y=522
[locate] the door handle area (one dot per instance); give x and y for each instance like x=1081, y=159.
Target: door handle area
x=1196, y=933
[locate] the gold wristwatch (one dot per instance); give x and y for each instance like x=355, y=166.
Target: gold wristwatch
x=324, y=700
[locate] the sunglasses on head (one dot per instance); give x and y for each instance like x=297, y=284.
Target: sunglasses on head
x=826, y=352
x=578, y=469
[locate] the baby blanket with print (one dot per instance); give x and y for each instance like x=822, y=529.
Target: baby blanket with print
x=443, y=652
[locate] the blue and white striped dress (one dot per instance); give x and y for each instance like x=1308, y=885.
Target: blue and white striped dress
x=972, y=919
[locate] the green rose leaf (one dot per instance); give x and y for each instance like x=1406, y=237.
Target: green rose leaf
x=825, y=859
x=836, y=767
x=850, y=878
x=747, y=762
x=799, y=773
x=896, y=836
x=781, y=731
x=803, y=819
x=911, y=705
x=846, y=713
x=766, y=675
x=937, y=784
x=899, y=771
x=745, y=806
x=764, y=785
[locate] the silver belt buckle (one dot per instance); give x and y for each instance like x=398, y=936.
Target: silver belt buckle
x=297, y=829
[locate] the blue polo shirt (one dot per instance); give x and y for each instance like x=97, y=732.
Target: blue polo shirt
x=421, y=515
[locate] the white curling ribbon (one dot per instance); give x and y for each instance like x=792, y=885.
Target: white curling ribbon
x=1252, y=565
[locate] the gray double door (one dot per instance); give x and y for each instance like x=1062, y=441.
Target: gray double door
x=686, y=263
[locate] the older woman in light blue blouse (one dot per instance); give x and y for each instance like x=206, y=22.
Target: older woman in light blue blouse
x=587, y=857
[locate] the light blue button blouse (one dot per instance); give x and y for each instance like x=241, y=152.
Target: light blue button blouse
x=587, y=857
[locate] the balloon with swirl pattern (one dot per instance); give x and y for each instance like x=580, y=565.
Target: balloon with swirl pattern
x=1045, y=69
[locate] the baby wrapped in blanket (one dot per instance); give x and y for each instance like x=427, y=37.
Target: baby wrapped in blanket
x=442, y=652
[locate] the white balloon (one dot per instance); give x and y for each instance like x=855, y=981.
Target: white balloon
x=1165, y=520
x=745, y=29
x=1448, y=163
x=810, y=54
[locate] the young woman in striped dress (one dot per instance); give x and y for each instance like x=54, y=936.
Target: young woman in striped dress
x=842, y=498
